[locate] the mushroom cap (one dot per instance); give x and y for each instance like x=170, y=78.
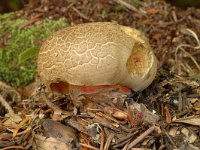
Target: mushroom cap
x=101, y=53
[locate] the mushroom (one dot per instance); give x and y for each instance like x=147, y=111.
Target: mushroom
x=96, y=54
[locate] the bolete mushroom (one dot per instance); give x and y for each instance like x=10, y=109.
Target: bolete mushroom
x=97, y=54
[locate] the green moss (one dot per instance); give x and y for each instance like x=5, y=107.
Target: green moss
x=136, y=2
x=195, y=76
x=119, y=8
x=163, y=72
x=104, y=14
x=14, y=41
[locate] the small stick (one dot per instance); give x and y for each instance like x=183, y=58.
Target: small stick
x=20, y=125
x=105, y=124
x=140, y=149
x=88, y=146
x=129, y=115
x=107, y=117
x=32, y=21
x=82, y=15
x=169, y=138
x=129, y=6
x=126, y=142
x=5, y=104
x=25, y=131
x=124, y=139
x=161, y=147
x=51, y=105
x=174, y=16
x=110, y=137
x=10, y=90
x=126, y=146
x=13, y=147
x=142, y=136
x=102, y=139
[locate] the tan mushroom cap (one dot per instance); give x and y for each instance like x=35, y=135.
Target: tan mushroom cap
x=100, y=53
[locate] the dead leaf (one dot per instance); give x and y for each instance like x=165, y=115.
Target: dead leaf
x=167, y=115
x=119, y=115
x=190, y=137
x=107, y=96
x=187, y=146
x=194, y=120
x=192, y=100
x=148, y=116
x=13, y=119
x=43, y=143
x=59, y=131
x=157, y=36
x=197, y=106
x=130, y=114
x=152, y=11
x=174, y=131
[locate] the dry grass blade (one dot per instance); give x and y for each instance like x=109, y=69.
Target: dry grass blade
x=180, y=47
x=127, y=5
x=193, y=120
x=193, y=34
x=181, y=52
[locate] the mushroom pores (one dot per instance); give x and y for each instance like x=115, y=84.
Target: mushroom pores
x=92, y=54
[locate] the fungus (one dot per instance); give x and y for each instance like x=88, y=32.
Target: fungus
x=96, y=54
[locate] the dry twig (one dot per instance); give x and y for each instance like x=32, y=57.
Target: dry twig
x=110, y=137
x=82, y=15
x=142, y=136
x=32, y=20
x=20, y=125
x=124, y=140
x=170, y=139
x=129, y=115
x=5, y=104
x=13, y=147
x=55, y=108
x=88, y=146
x=102, y=140
x=127, y=5
x=10, y=90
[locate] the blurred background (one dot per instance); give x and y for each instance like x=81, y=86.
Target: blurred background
x=13, y=5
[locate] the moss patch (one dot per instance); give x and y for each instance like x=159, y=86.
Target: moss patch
x=14, y=41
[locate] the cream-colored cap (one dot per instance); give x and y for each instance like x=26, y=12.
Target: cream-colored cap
x=101, y=53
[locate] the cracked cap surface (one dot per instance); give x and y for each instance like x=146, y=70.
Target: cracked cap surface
x=100, y=53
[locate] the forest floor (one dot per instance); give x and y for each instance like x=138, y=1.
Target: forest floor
x=166, y=115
